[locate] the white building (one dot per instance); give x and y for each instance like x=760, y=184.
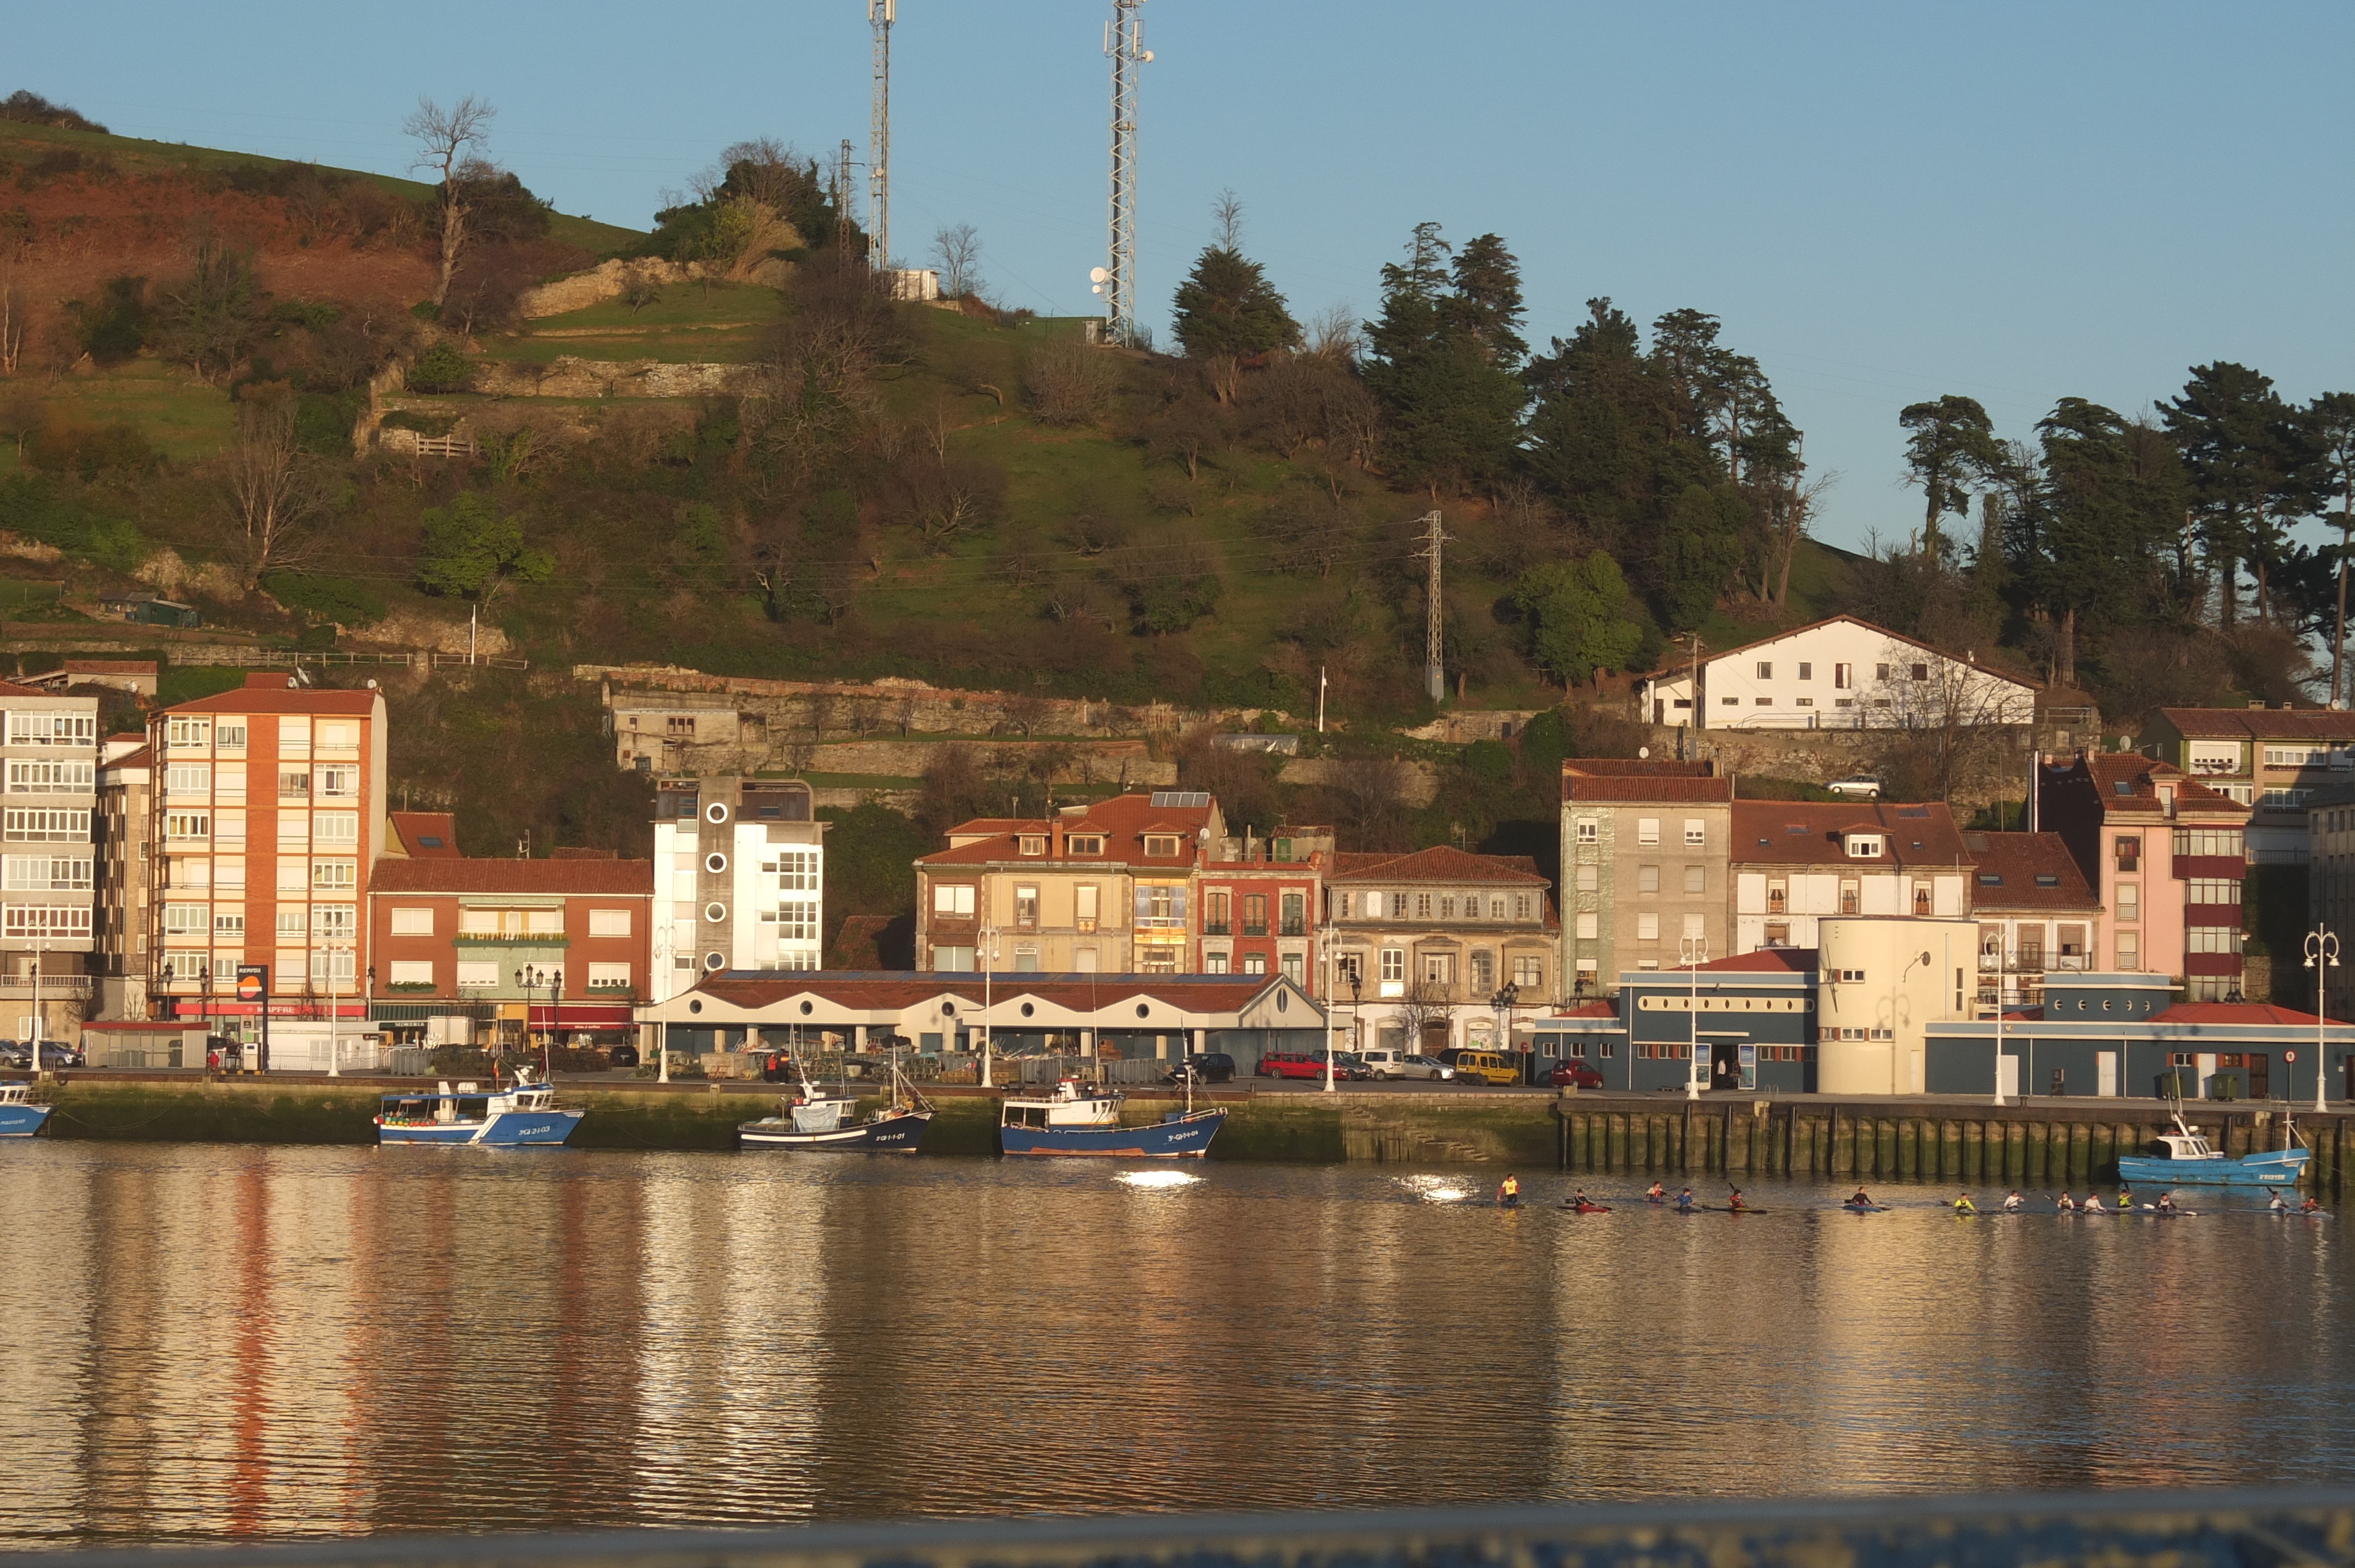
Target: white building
x=1840, y=673
x=47, y=885
x=1794, y=862
x=740, y=868
x=1885, y=982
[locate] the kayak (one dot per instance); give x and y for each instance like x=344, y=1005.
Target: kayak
x=1866, y=1208
x=1589, y=1209
x=1722, y=1209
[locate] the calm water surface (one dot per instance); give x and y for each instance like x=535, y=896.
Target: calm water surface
x=228, y=1342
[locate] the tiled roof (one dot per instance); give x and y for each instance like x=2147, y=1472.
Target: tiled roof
x=109, y=666
x=876, y=991
x=1764, y=961
x=2250, y=1013
x=1672, y=671
x=11, y=689
x=278, y=694
x=1810, y=832
x=2032, y=871
x=1442, y=864
x=2260, y=724
x=1123, y=819
x=1662, y=782
x=144, y=757
x=603, y=877
x=1638, y=766
x=426, y=834
x=2141, y=777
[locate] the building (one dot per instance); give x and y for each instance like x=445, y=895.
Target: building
x=739, y=879
x=2330, y=893
x=126, y=814
x=423, y=835
x=1794, y=862
x=1107, y=888
x=2165, y=854
x=139, y=677
x=1839, y=673
x=1256, y=902
x=48, y=873
x=1644, y=847
x=2037, y=916
x=269, y=818
x=537, y=947
x=2269, y=759
x=1425, y=945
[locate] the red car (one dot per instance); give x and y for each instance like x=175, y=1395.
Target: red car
x=1575, y=1076
x=1303, y=1064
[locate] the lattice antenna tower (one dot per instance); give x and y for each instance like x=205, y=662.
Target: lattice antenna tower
x=1434, y=621
x=1124, y=42
x=881, y=15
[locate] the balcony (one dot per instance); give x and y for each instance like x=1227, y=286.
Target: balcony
x=58, y=986
x=1254, y=928
x=1292, y=928
x=1217, y=928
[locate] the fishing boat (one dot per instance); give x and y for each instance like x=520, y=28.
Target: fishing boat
x=19, y=1117
x=2186, y=1158
x=809, y=1119
x=1076, y=1118
x=502, y=1119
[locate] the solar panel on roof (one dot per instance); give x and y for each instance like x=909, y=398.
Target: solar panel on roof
x=1799, y=828
x=1913, y=810
x=1181, y=798
x=2123, y=785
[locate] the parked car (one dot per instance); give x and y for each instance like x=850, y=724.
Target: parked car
x=1205, y=1067
x=1574, y=1075
x=1306, y=1065
x=622, y=1056
x=1856, y=786
x=54, y=1054
x=1485, y=1067
x=1384, y=1062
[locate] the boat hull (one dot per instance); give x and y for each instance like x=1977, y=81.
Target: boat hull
x=507, y=1129
x=1187, y=1138
x=22, y=1120
x=2273, y=1168
x=900, y=1135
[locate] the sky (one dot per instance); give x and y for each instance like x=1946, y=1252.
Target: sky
x=1883, y=202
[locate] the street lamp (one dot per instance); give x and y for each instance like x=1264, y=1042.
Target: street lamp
x=1694, y=951
x=1326, y=934
x=2321, y=953
x=1507, y=995
x=529, y=978
x=988, y=955
x=1895, y=1004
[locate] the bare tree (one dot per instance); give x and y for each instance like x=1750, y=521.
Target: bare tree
x=449, y=141
x=278, y=494
x=1337, y=334
x=957, y=247
x=1948, y=718
x=1227, y=217
x=1069, y=383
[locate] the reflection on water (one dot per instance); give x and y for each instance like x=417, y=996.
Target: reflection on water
x=243, y=1343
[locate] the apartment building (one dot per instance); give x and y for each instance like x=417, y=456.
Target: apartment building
x=1644, y=847
x=2037, y=916
x=127, y=778
x=2166, y=856
x=1257, y=902
x=47, y=871
x=2330, y=895
x=1425, y=945
x=558, y=947
x=1104, y=888
x=739, y=879
x=1836, y=673
x=2272, y=761
x=268, y=818
x=1794, y=863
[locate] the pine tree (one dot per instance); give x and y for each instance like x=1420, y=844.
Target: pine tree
x=1228, y=313
x=1441, y=359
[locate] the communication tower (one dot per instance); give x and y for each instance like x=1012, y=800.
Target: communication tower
x=881, y=15
x=1124, y=42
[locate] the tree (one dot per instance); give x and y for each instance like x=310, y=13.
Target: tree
x=448, y=140
x=957, y=248
x=1577, y=615
x=278, y=494
x=2097, y=518
x=1227, y=311
x=2330, y=422
x=2250, y=463
x=1441, y=363
x=1951, y=452
x=473, y=553
x=1069, y=382
x=210, y=318
x=1701, y=552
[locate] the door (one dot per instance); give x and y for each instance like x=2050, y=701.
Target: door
x=1724, y=1064
x=1749, y=1066
x=2261, y=1075
x=2106, y=1074
x=2006, y=1076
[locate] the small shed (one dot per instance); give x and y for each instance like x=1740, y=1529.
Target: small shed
x=144, y=610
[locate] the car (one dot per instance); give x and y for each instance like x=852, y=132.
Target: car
x=1388, y=1064
x=1485, y=1067
x=1204, y=1067
x=622, y=1056
x=1306, y=1065
x=54, y=1054
x=1856, y=786
x=1575, y=1075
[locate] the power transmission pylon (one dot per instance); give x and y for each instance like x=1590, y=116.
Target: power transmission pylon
x=842, y=167
x=881, y=15
x=1124, y=42
x=1434, y=666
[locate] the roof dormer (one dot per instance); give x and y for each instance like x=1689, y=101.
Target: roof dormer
x=1862, y=846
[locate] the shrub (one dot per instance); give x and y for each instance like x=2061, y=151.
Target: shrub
x=65, y=444
x=1069, y=383
x=322, y=421
x=339, y=600
x=32, y=108
x=114, y=328
x=441, y=369
x=32, y=507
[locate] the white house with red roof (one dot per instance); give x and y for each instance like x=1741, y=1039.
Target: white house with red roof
x=1836, y=674
x=1794, y=863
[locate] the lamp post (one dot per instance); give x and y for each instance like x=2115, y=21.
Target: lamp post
x=988, y=956
x=1896, y=1001
x=1694, y=951
x=529, y=978
x=1325, y=936
x=1502, y=1002
x=335, y=1016
x=2322, y=955
x=1998, y=1025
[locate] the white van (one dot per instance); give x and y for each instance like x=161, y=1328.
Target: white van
x=1384, y=1062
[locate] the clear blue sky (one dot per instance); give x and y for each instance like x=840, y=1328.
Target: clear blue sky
x=1884, y=202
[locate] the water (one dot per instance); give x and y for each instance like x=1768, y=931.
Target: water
x=238, y=1343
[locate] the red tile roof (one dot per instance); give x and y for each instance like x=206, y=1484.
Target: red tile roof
x=2017, y=861
x=893, y=990
x=1592, y=1010
x=1123, y=819
x=2260, y=724
x=2142, y=776
x=1810, y=832
x=1640, y=779
x=1442, y=864
x=606, y=878
x=276, y=694
x=109, y=666
x=2248, y=1012
x=416, y=827
x=11, y=689
x=1764, y=961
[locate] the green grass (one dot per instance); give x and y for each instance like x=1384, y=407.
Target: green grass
x=187, y=683
x=182, y=418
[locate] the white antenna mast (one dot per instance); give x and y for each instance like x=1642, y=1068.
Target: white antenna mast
x=881, y=15
x=1124, y=42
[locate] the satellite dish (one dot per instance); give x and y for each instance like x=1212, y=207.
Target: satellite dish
x=1146, y=56
x=1097, y=274
x=1095, y=288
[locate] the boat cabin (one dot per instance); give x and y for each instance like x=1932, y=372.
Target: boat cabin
x=1071, y=1105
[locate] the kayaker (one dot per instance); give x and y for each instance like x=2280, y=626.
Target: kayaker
x=2126, y=1200
x=2066, y=1205
x=2280, y=1205
x=2011, y=1202
x=2167, y=1202
x=1963, y=1204
x=1860, y=1199
x=1508, y=1192
x=2311, y=1206
x=1685, y=1200
x=1733, y=1200
x=1659, y=1194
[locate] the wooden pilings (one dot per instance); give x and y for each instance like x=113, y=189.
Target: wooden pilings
x=2040, y=1147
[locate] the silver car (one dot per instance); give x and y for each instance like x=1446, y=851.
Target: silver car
x=1856, y=786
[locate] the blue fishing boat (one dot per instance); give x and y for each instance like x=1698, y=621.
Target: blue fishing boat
x=525, y=1115
x=2185, y=1159
x=19, y=1117
x=818, y=1122
x=1074, y=1119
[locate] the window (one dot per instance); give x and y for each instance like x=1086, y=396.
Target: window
x=1439, y=969
x=337, y=735
x=52, y=729
x=1483, y=971
x=335, y=873
x=1032, y=844
x=1496, y=908
x=1214, y=963
x=1589, y=879
x=477, y=974
x=1778, y=933
x=1806, y=672
x=54, y=921
x=2130, y=901
x=1648, y=879
x=1447, y=906
x=952, y=900
x=1921, y=671
x=2128, y=850
x=193, y=732
x=294, y=737
x=1807, y=701
x=1085, y=843
x=1026, y=905
x=1349, y=969
x=1849, y=976
x=337, y=783
x=1393, y=963
x=2223, y=842
x=1864, y=846
x=2212, y=757
x=1779, y=898
x=45, y=874
x=336, y=827
x=1423, y=905
x=1084, y=906
x=1880, y=671
x=1255, y=913
x=1295, y=914
x=1520, y=907
x=1528, y=974
x=413, y=922
x=294, y=786
x=1161, y=847
x=186, y=919
x=609, y=922
x=1294, y=966
x=52, y=778
x=2211, y=890
x=292, y=923
x=413, y=971
x=1694, y=928
x=1730, y=702
x=1849, y=898
x=1648, y=927
x=2211, y=939
x=293, y=828
x=1765, y=669
x=1254, y=963
x=335, y=921
x=229, y=923
x=1765, y=702
x=2313, y=756
x=1647, y=830
x=1696, y=831
x=35, y=824
x=955, y=960
x=1696, y=879
x=189, y=779
x=2129, y=944
x=232, y=737
x=1589, y=927
x=188, y=825
x=1588, y=830
x=1843, y=677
